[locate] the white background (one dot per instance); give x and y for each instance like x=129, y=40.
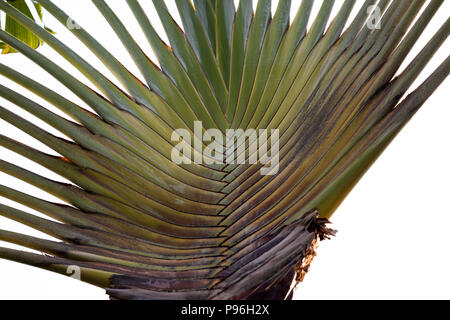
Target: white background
x=393, y=228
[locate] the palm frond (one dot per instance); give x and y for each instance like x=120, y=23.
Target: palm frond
x=33, y=10
x=143, y=227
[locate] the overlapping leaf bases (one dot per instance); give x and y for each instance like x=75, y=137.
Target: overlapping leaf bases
x=145, y=228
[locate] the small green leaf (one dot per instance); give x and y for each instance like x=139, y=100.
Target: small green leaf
x=19, y=31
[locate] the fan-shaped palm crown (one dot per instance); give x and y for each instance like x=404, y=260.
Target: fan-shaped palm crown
x=144, y=226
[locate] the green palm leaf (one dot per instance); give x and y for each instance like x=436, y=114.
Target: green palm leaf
x=19, y=31
x=143, y=227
